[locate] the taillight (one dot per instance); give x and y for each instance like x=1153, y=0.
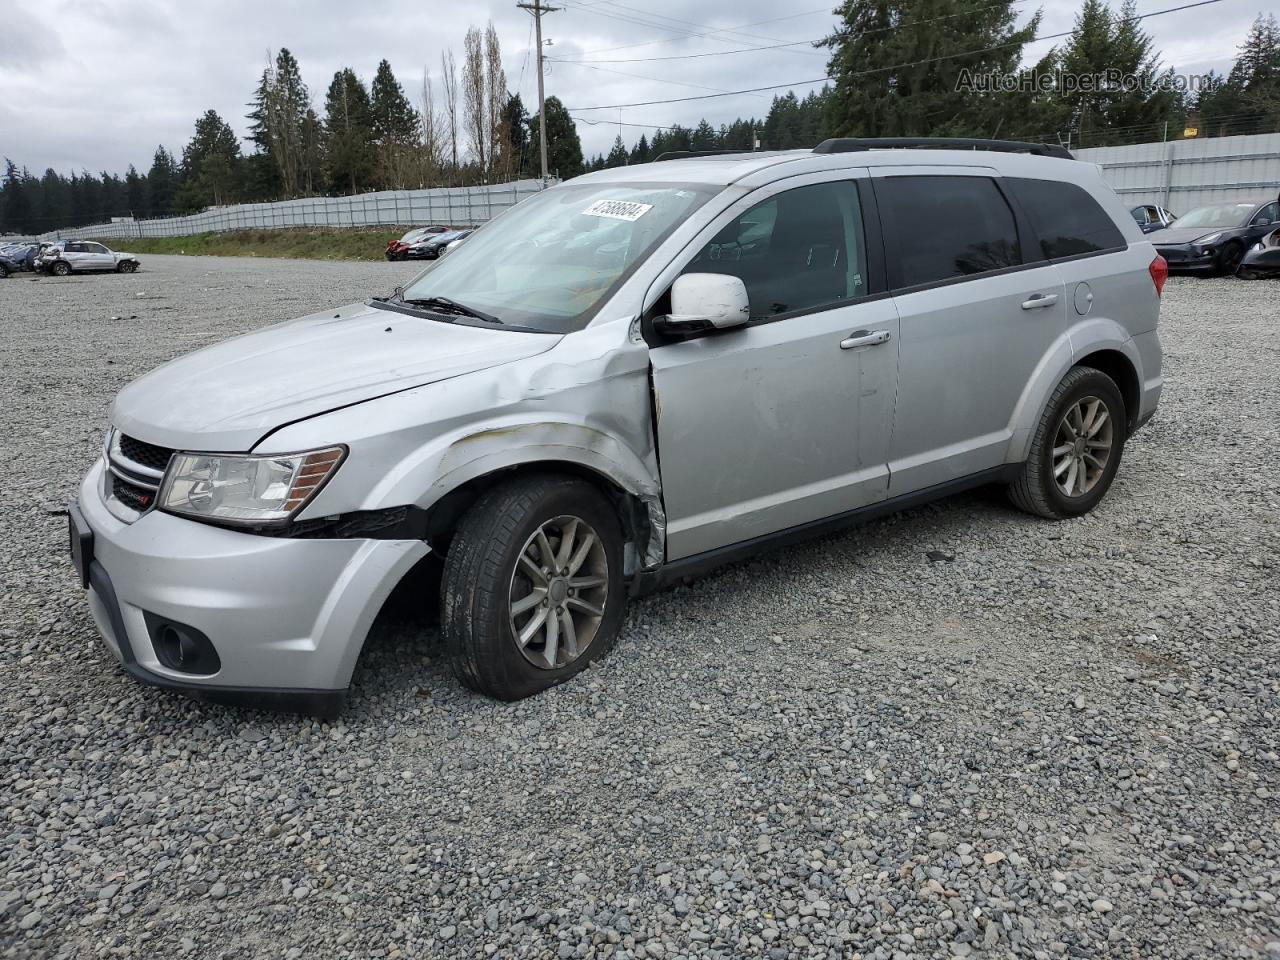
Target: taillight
x=1159, y=273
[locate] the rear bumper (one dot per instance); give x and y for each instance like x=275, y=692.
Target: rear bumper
x=287, y=617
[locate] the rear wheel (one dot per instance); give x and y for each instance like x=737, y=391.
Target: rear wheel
x=1076, y=449
x=4, y=270
x=61, y=268
x=532, y=589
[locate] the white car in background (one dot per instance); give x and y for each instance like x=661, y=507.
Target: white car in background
x=81, y=256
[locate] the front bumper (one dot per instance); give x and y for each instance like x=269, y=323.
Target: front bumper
x=1189, y=257
x=1261, y=259
x=287, y=617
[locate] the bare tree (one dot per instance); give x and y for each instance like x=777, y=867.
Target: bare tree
x=496, y=106
x=434, y=132
x=450, y=84
x=474, y=97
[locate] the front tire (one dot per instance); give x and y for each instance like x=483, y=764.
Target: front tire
x=126, y=266
x=1076, y=449
x=532, y=589
x=1229, y=259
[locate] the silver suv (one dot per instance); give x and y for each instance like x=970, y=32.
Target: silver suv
x=626, y=379
x=81, y=256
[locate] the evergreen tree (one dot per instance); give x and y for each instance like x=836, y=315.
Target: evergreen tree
x=348, y=125
x=395, y=128
x=210, y=164
x=891, y=76
x=618, y=155
x=1256, y=74
x=519, y=145
x=162, y=184
x=640, y=153
x=277, y=113
x=135, y=194
x=564, y=149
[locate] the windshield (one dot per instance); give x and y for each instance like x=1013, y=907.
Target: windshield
x=1219, y=215
x=551, y=261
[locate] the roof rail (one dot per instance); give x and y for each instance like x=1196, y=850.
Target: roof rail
x=855, y=144
x=694, y=154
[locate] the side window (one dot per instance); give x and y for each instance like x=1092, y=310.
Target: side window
x=799, y=249
x=74, y=248
x=1268, y=214
x=1068, y=221
x=948, y=227
x=94, y=248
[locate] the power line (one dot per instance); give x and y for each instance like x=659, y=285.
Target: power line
x=755, y=23
x=636, y=76
x=897, y=66
x=792, y=43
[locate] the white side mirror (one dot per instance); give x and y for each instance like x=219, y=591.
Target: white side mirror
x=708, y=299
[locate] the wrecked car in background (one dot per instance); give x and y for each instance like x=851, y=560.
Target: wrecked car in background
x=623, y=380
x=65, y=257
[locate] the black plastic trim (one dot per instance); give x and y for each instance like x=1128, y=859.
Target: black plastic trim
x=648, y=581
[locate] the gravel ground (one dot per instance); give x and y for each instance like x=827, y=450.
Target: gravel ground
x=1062, y=743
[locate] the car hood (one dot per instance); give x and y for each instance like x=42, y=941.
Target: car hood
x=1169, y=235
x=227, y=397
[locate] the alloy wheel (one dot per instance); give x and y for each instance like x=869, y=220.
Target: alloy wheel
x=1082, y=446
x=558, y=592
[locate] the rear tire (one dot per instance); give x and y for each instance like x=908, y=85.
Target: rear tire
x=61, y=269
x=1077, y=447
x=498, y=581
x=4, y=271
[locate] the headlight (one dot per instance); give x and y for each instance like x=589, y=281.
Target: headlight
x=1211, y=238
x=245, y=490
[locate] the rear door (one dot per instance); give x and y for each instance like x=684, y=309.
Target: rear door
x=979, y=308
x=786, y=420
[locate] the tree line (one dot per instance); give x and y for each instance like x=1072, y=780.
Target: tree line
x=896, y=75
x=898, y=68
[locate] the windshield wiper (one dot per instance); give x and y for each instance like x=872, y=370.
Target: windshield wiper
x=445, y=305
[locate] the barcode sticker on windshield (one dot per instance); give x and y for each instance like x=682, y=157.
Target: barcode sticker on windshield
x=618, y=209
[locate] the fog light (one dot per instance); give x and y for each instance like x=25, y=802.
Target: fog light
x=182, y=647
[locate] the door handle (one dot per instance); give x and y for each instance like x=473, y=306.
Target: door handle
x=1040, y=300
x=864, y=338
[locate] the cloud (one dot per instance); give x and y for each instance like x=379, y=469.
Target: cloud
x=152, y=66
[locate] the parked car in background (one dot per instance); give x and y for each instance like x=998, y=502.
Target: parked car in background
x=1214, y=239
x=7, y=265
x=432, y=246
x=561, y=430
x=1151, y=217
x=23, y=253
x=396, y=248
x=84, y=256
x=1262, y=259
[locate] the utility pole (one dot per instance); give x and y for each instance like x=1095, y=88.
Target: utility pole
x=538, y=8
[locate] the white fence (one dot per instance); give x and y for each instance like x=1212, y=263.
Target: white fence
x=1183, y=174
x=1178, y=174
x=461, y=206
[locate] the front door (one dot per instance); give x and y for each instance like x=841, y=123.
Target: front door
x=786, y=420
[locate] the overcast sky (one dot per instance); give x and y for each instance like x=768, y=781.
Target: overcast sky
x=97, y=85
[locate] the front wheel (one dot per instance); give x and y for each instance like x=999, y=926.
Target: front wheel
x=1076, y=448
x=1229, y=259
x=532, y=589
x=126, y=266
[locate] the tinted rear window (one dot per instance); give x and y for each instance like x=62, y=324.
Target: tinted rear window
x=948, y=227
x=1068, y=221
